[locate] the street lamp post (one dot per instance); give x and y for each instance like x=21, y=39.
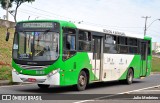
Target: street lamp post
x=146, y=28
x=28, y=17
x=36, y=17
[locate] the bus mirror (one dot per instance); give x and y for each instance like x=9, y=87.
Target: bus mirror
x=7, y=36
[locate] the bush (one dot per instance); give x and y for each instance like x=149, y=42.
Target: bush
x=5, y=73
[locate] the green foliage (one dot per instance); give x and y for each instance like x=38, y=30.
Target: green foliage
x=5, y=73
x=4, y=4
x=155, y=64
x=153, y=51
x=17, y=3
x=5, y=54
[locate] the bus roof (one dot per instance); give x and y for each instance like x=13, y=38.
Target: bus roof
x=64, y=23
x=90, y=28
x=109, y=31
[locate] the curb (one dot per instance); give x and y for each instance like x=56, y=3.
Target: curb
x=8, y=82
x=4, y=82
x=157, y=56
x=155, y=72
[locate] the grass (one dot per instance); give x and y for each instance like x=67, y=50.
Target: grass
x=5, y=73
x=5, y=54
x=155, y=64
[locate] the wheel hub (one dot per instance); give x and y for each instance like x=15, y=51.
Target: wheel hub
x=130, y=77
x=82, y=80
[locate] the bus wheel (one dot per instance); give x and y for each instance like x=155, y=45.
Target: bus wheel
x=82, y=81
x=43, y=86
x=129, y=78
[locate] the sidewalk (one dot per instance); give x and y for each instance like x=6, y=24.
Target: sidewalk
x=158, y=56
x=4, y=82
x=155, y=72
x=7, y=82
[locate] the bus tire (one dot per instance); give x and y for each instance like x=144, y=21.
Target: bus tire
x=129, y=78
x=43, y=86
x=82, y=81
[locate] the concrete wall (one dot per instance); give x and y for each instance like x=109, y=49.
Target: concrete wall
x=8, y=24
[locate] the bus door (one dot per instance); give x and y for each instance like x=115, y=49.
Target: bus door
x=143, y=52
x=97, y=45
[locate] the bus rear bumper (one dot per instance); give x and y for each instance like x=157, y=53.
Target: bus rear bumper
x=50, y=80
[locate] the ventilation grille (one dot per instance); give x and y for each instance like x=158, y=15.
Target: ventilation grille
x=29, y=67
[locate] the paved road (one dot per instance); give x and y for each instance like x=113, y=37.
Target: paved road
x=107, y=88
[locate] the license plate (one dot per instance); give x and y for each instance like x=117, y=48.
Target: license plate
x=31, y=80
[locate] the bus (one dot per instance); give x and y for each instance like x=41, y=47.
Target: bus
x=61, y=53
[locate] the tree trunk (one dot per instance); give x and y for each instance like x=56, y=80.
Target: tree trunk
x=15, y=16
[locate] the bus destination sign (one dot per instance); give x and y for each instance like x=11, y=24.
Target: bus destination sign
x=113, y=32
x=38, y=25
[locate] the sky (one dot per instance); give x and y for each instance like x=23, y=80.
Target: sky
x=118, y=15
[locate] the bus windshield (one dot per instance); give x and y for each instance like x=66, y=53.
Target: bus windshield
x=36, y=46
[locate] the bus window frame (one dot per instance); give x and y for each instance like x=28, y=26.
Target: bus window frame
x=90, y=42
x=64, y=35
x=126, y=44
x=110, y=44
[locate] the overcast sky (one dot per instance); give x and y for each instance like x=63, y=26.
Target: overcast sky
x=123, y=15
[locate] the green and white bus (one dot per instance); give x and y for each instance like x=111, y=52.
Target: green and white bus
x=55, y=52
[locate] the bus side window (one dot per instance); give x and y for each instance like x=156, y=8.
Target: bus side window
x=110, y=44
x=133, y=45
x=122, y=45
x=84, y=39
x=69, y=42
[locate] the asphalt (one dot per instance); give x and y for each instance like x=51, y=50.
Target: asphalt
x=8, y=82
x=108, y=89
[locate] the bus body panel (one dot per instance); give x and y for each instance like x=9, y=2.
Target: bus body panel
x=115, y=65
x=51, y=80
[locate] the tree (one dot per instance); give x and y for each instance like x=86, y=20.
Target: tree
x=17, y=3
x=4, y=4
